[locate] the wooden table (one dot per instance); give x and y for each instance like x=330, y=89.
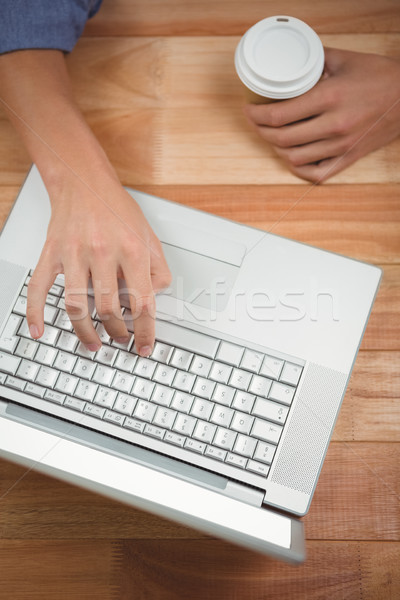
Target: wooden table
x=156, y=82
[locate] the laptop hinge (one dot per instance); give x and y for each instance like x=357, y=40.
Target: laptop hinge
x=244, y=493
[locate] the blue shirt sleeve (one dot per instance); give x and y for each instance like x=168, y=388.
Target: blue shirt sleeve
x=55, y=24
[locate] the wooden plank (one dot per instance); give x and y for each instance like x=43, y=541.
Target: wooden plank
x=233, y=17
x=371, y=407
x=37, y=507
x=194, y=569
x=66, y=569
x=169, y=111
x=355, y=220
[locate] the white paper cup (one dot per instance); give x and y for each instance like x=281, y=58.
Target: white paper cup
x=279, y=57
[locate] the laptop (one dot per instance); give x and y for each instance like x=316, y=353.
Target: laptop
x=225, y=427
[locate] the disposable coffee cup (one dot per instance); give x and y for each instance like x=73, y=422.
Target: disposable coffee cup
x=279, y=57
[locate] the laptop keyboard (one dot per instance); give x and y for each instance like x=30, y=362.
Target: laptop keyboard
x=197, y=398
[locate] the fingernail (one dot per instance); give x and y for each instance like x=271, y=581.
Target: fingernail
x=122, y=340
x=145, y=351
x=34, y=331
x=93, y=347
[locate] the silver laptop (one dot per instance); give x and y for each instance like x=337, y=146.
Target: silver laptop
x=225, y=427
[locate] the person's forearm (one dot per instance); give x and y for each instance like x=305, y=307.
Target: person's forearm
x=36, y=95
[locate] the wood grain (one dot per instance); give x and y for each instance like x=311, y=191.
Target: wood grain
x=233, y=17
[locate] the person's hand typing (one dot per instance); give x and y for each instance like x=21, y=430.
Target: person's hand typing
x=103, y=237
x=353, y=110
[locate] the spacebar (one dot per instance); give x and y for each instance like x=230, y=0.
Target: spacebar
x=186, y=338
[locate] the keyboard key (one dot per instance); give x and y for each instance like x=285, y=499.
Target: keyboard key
x=26, y=348
x=8, y=339
x=230, y=353
x=256, y=467
x=9, y=363
x=83, y=351
x=145, y=367
x=65, y=361
x=290, y=373
x=113, y=417
x=281, y=393
x=63, y=321
x=145, y=410
x=202, y=409
x=200, y=366
x=47, y=376
x=84, y=368
x=94, y=411
x=182, y=402
x=245, y=445
x=204, y=431
x=184, y=424
x=3, y=378
x=183, y=381
x=55, y=397
x=271, y=367
x=203, y=388
x=195, y=446
x=86, y=390
x=223, y=394
x=164, y=417
x=236, y=460
x=260, y=386
x=240, y=379
x=74, y=403
x=105, y=397
x=66, y=383
x=264, y=452
x=224, y=438
x=134, y=424
x=52, y=300
x=125, y=361
x=49, y=335
x=49, y=314
x=27, y=370
x=220, y=372
x=45, y=355
x=181, y=359
x=102, y=333
x=267, y=432
x=154, y=431
x=243, y=401
x=103, y=374
x=125, y=404
x=222, y=415
x=164, y=374
x=142, y=388
x=106, y=355
x=161, y=353
x=20, y=306
x=242, y=422
x=270, y=410
x=123, y=381
x=251, y=361
x=15, y=383
x=216, y=453
x=162, y=395
x=35, y=390
x=175, y=438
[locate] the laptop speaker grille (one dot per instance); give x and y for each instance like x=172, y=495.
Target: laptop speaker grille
x=309, y=429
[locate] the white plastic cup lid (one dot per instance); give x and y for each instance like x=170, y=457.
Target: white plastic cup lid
x=280, y=57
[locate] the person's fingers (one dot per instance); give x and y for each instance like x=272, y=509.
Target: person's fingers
x=142, y=302
x=278, y=114
x=320, y=172
x=160, y=274
x=105, y=285
x=38, y=287
x=77, y=307
x=315, y=152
